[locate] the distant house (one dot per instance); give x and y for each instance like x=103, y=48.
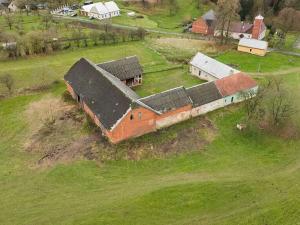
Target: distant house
x=13, y=7
x=253, y=46
x=100, y=10
x=206, y=24
x=238, y=30
x=121, y=114
x=209, y=69
x=128, y=70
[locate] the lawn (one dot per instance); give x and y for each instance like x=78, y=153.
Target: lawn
x=240, y=178
x=144, y=22
x=37, y=70
x=162, y=81
x=272, y=62
x=234, y=178
x=187, y=10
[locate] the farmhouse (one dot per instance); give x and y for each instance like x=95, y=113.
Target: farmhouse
x=206, y=24
x=100, y=10
x=253, y=46
x=128, y=70
x=121, y=114
x=209, y=69
x=238, y=30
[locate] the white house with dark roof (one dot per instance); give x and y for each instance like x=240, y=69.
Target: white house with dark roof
x=209, y=69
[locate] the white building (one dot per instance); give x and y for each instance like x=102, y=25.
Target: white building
x=101, y=10
x=209, y=69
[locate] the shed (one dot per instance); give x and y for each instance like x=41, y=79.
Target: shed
x=128, y=70
x=253, y=46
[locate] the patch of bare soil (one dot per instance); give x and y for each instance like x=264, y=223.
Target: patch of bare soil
x=55, y=132
x=56, y=136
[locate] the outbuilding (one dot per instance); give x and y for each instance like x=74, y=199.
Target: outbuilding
x=209, y=69
x=253, y=46
x=236, y=88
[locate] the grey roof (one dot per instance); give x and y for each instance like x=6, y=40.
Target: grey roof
x=204, y=93
x=210, y=15
x=168, y=100
x=212, y=66
x=253, y=43
x=107, y=97
x=123, y=69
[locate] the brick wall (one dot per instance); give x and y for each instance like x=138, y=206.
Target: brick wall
x=257, y=28
x=135, y=123
x=200, y=27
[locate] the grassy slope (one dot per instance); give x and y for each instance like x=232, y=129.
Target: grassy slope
x=251, y=63
x=240, y=178
x=160, y=15
x=44, y=69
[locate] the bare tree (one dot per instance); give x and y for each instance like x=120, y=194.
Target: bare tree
x=227, y=10
x=287, y=20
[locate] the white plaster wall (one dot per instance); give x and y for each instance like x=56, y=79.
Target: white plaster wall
x=203, y=75
x=170, y=120
x=207, y=108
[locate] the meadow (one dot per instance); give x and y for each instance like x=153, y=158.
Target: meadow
x=213, y=174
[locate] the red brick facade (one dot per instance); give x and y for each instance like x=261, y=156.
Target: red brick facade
x=257, y=28
x=200, y=27
x=136, y=122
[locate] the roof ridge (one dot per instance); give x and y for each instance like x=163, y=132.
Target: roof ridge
x=113, y=80
x=179, y=87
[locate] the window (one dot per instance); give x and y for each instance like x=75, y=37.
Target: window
x=250, y=49
x=131, y=117
x=140, y=115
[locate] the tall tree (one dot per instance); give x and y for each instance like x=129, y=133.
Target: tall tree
x=227, y=10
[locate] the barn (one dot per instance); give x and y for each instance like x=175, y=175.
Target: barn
x=205, y=25
x=128, y=70
x=253, y=46
x=209, y=69
x=121, y=114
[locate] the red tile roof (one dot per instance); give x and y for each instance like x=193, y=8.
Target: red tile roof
x=235, y=83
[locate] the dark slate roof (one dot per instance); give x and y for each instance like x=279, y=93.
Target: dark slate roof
x=204, y=93
x=210, y=15
x=168, y=100
x=104, y=94
x=123, y=69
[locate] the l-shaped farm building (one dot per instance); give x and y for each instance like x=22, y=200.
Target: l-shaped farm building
x=122, y=114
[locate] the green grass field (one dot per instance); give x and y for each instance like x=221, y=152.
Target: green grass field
x=236, y=178
x=160, y=15
x=240, y=178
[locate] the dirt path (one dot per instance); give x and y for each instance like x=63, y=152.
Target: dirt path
x=278, y=73
x=297, y=43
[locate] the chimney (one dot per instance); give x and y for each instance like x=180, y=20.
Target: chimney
x=257, y=26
